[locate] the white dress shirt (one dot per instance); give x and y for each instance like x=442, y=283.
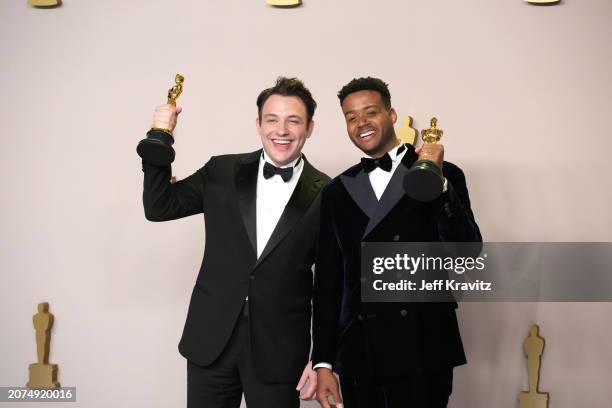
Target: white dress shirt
x=272, y=196
x=380, y=178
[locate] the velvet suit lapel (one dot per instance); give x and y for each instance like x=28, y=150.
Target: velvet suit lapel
x=394, y=191
x=305, y=192
x=357, y=184
x=360, y=189
x=246, y=186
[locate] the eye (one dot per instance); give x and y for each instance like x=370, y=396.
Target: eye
x=371, y=113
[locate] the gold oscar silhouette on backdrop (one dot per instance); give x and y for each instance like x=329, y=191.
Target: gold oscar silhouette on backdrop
x=42, y=374
x=534, y=347
x=406, y=133
x=543, y=2
x=284, y=3
x=45, y=3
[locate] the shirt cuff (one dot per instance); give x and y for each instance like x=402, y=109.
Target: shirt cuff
x=322, y=365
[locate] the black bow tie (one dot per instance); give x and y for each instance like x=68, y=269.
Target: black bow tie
x=270, y=170
x=385, y=163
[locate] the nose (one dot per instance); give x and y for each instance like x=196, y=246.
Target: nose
x=281, y=129
x=362, y=120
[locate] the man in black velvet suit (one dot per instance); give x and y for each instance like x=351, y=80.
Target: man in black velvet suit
x=248, y=325
x=388, y=355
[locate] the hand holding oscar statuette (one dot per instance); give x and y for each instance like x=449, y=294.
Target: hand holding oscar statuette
x=424, y=180
x=157, y=147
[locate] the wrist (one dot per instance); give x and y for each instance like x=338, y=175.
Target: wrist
x=162, y=129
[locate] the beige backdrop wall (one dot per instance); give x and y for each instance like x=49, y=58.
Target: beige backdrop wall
x=522, y=92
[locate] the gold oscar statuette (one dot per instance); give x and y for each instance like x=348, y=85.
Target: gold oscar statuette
x=432, y=134
x=424, y=180
x=157, y=147
x=533, y=347
x=42, y=374
x=176, y=90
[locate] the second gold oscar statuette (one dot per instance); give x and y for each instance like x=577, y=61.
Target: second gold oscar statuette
x=424, y=181
x=157, y=147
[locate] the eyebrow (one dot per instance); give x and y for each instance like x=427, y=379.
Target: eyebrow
x=364, y=108
x=274, y=115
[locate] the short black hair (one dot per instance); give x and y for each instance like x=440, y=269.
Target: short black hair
x=288, y=87
x=366, y=84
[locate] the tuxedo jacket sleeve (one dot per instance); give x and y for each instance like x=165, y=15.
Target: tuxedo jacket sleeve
x=327, y=286
x=456, y=221
x=165, y=201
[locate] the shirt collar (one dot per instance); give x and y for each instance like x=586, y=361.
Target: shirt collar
x=293, y=163
x=393, y=152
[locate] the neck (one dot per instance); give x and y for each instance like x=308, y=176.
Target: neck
x=393, y=144
x=292, y=162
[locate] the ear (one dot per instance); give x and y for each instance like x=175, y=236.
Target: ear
x=257, y=124
x=393, y=115
x=311, y=126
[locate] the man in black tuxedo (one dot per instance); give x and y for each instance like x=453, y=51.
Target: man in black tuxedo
x=386, y=354
x=248, y=325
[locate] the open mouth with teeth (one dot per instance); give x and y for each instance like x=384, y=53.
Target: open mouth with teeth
x=281, y=144
x=366, y=134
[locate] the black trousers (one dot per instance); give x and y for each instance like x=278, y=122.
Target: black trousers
x=221, y=384
x=417, y=391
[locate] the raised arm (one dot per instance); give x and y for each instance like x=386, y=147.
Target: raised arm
x=163, y=200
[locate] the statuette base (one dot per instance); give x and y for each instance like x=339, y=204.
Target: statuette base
x=536, y=400
x=423, y=182
x=157, y=148
x=43, y=377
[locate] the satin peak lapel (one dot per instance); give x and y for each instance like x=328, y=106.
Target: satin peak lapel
x=305, y=192
x=246, y=186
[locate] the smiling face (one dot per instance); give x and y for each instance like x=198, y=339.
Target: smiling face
x=369, y=122
x=284, y=128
